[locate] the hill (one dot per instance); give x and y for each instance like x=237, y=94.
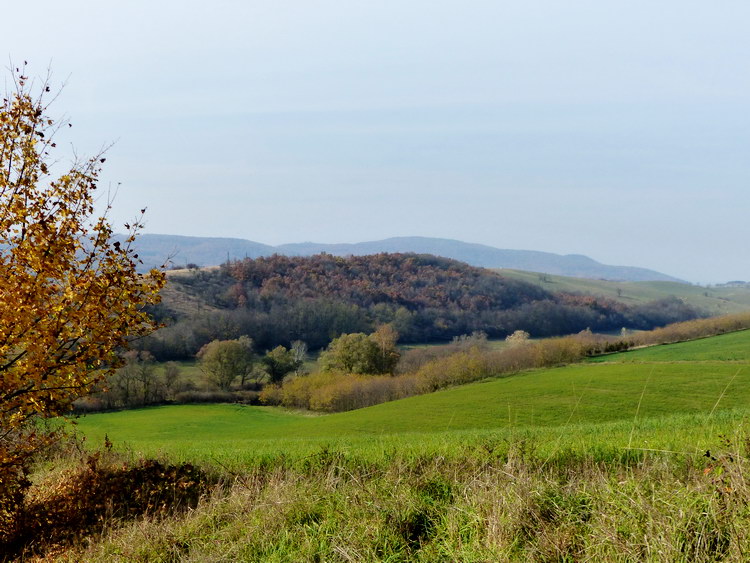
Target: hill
x=717, y=300
x=599, y=462
x=154, y=250
x=277, y=300
x=574, y=265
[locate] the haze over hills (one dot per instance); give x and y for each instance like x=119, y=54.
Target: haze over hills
x=154, y=249
x=574, y=265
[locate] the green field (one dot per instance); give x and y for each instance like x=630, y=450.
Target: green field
x=664, y=393
x=642, y=456
x=715, y=300
x=733, y=347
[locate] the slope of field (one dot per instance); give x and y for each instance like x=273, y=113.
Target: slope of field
x=640, y=387
x=644, y=454
x=715, y=300
x=732, y=347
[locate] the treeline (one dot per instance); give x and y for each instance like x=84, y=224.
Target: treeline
x=228, y=371
x=280, y=299
x=358, y=370
x=470, y=359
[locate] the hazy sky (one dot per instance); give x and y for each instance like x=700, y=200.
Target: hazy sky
x=616, y=129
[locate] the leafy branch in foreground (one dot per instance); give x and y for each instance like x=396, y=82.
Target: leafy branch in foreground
x=71, y=297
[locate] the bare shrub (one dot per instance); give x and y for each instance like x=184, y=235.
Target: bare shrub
x=80, y=501
x=469, y=359
x=690, y=330
x=205, y=397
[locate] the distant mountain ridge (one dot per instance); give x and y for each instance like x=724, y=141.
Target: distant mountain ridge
x=154, y=250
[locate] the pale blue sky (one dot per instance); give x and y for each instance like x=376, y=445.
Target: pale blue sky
x=619, y=130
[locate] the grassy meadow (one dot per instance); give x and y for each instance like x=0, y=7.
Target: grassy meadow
x=535, y=403
x=638, y=456
x=690, y=379
x=715, y=300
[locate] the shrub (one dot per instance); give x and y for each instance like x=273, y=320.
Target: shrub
x=205, y=397
x=470, y=359
x=79, y=502
x=362, y=354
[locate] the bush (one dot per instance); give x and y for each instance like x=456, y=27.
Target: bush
x=206, y=397
x=469, y=359
x=247, y=397
x=79, y=502
x=88, y=404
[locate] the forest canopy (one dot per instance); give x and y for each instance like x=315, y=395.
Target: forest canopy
x=280, y=299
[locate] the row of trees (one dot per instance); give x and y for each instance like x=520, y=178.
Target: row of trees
x=471, y=358
x=317, y=321
x=228, y=370
x=225, y=361
x=358, y=369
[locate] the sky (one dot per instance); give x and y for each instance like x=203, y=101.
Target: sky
x=618, y=130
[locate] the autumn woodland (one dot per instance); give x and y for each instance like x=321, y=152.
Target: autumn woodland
x=390, y=406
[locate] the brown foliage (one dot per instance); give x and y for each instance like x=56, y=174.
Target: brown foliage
x=690, y=330
x=81, y=502
x=413, y=280
x=71, y=297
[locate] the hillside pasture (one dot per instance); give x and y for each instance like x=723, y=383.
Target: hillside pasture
x=732, y=347
x=638, y=458
x=644, y=391
x=714, y=300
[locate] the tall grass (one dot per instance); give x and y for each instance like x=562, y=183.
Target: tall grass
x=492, y=500
x=596, y=469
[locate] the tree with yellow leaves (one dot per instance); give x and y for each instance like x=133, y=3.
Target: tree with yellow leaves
x=70, y=296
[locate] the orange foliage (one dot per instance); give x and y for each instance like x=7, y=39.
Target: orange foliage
x=71, y=297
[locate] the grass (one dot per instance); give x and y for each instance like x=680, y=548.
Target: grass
x=732, y=347
x=715, y=300
x=545, y=494
x=587, y=399
x=643, y=457
x=238, y=449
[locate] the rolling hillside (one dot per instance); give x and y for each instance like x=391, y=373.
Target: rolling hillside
x=154, y=250
x=279, y=299
x=718, y=300
x=634, y=387
x=597, y=462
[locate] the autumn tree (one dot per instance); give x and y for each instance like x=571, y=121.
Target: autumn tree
x=360, y=353
x=71, y=296
x=279, y=362
x=224, y=360
x=385, y=337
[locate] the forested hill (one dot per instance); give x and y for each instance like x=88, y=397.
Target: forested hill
x=413, y=281
x=279, y=299
x=574, y=265
x=154, y=250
